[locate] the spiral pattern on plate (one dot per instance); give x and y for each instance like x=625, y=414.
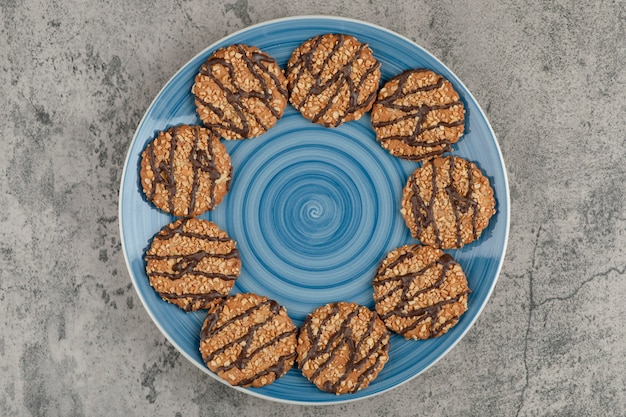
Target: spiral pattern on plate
x=314, y=212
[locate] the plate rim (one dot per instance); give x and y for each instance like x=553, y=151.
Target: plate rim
x=295, y=19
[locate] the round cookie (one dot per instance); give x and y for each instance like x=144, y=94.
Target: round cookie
x=333, y=78
x=240, y=92
x=192, y=263
x=342, y=347
x=420, y=291
x=185, y=170
x=418, y=115
x=447, y=203
x=248, y=340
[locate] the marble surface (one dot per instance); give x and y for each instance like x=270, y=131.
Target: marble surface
x=75, y=79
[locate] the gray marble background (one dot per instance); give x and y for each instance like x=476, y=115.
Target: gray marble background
x=75, y=79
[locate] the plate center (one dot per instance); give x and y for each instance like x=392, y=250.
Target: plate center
x=309, y=209
x=313, y=210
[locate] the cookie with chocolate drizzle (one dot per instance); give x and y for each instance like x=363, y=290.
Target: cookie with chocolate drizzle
x=418, y=115
x=240, y=92
x=248, y=340
x=447, y=202
x=192, y=263
x=420, y=292
x=185, y=170
x=333, y=78
x=342, y=347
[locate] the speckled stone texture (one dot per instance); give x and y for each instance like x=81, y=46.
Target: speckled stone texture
x=75, y=79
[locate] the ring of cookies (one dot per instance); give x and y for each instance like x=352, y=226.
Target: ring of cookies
x=419, y=291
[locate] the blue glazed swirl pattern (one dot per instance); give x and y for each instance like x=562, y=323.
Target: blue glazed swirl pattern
x=314, y=210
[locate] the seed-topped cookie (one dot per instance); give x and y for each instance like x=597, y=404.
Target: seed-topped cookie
x=192, y=263
x=447, y=202
x=333, y=78
x=342, y=347
x=420, y=291
x=240, y=92
x=418, y=115
x=185, y=170
x=248, y=340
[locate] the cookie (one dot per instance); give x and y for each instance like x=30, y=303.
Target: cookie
x=420, y=292
x=447, y=203
x=418, y=115
x=248, y=340
x=240, y=92
x=333, y=78
x=342, y=347
x=192, y=263
x=185, y=170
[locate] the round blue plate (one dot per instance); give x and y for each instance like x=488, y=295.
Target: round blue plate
x=314, y=210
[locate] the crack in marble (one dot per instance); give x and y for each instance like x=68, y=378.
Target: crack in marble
x=531, y=307
x=582, y=284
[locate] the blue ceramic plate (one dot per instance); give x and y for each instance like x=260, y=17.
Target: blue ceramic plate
x=314, y=210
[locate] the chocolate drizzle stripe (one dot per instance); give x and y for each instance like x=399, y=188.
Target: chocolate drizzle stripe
x=179, y=229
x=174, y=277
x=427, y=155
x=423, y=213
x=233, y=254
x=245, y=355
x=304, y=61
x=462, y=203
x=342, y=77
x=186, y=265
x=211, y=318
x=257, y=60
x=231, y=97
x=207, y=299
x=402, y=310
x=232, y=343
x=426, y=312
x=387, y=294
x=354, y=364
x=407, y=278
x=317, y=88
x=400, y=93
x=343, y=337
x=279, y=369
x=208, y=238
x=202, y=161
x=194, y=184
x=309, y=329
x=242, y=358
x=274, y=308
x=354, y=105
x=407, y=255
x=369, y=371
x=419, y=111
x=335, y=343
x=257, y=65
x=273, y=341
x=445, y=260
x=431, y=312
x=164, y=171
